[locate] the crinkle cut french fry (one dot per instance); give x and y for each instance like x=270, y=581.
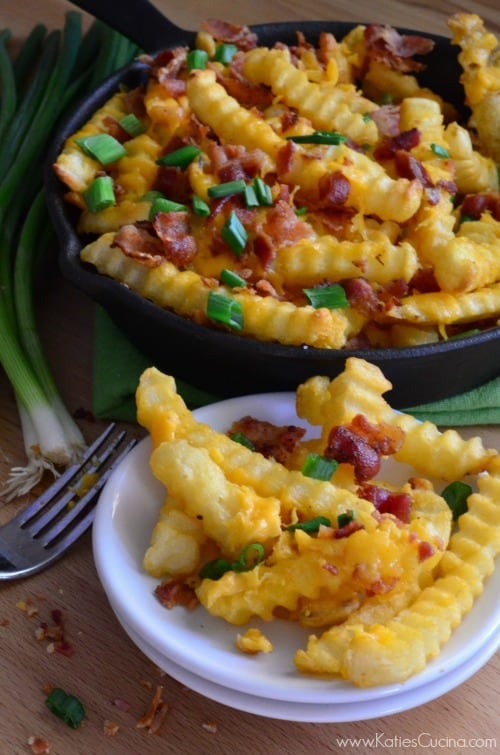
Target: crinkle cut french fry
x=442, y=307
x=333, y=108
x=186, y=292
x=376, y=654
x=474, y=172
x=312, y=261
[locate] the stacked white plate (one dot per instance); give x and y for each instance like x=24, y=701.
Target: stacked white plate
x=199, y=650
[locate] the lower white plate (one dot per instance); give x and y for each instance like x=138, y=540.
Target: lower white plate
x=203, y=645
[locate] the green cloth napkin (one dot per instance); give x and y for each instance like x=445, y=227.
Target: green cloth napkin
x=118, y=364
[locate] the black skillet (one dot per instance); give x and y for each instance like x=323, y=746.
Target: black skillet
x=229, y=364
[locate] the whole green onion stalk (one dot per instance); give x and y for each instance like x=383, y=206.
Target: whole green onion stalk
x=50, y=73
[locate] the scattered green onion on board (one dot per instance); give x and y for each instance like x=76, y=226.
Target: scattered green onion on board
x=50, y=73
x=67, y=707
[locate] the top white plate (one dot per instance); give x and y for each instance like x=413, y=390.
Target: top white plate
x=205, y=645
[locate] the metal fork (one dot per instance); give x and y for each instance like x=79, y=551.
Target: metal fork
x=43, y=531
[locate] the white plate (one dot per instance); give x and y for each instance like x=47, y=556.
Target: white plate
x=318, y=713
x=204, y=645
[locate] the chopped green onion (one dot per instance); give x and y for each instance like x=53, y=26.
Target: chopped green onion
x=132, y=124
x=367, y=117
x=200, y=207
x=162, y=204
x=232, y=279
x=150, y=196
x=299, y=211
x=180, y=158
x=319, y=137
x=225, y=52
x=263, y=192
x=455, y=494
x=100, y=194
x=247, y=561
x=102, y=147
x=440, y=151
x=67, y=707
x=319, y=467
x=346, y=518
x=197, y=59
x=330, y=297
x=216, y=568
x=225, y=310
x=234, y=234
x=226, y=189
x=250, y=196
x=242, y=439
x=386, y=99
x=464, y=334
x=311, y=525
x=467, y=219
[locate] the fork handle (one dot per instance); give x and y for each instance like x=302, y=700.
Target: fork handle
x=138, y=20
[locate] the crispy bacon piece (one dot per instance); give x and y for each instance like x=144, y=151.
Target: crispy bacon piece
x=137, y=242
x=281, y=227
x=476, y=204
x=173, y=183
x=174, y=232
x=404, y=140
x=176, y=592
x=333, y=189
x=268, y=439
x=409, y=167
x=224, y=31
x=362, y=444
x=386, y=44
x=248, y=94
x=361, y=296
x=134, y=101
x=114, y=129
x=169, y=63
x=346, y=530
x=387, y=501
x=174, y=87
x=386, y=118
x=425, y=550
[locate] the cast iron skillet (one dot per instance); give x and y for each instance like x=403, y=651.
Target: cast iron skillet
x=229, y=364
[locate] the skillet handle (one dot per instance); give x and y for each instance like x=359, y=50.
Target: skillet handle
x=138, y=20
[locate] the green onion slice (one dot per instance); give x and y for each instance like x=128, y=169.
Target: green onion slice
x=242, y=439
x=225, y=310
x=234, y=234
x=232, y=279
x=100, y=194
x=102, y=147
x=330, y=297
x=225, y=52
x=65, y=706
x=250, y=556
x=440, y=151
x=263, y=192
x=319, y=137
x=319, y=467
x=180, y=158
x=455, y=494
x=311, y=525
x=197, y=59
x=162, y=204
x=345, y=518
x=132, y=124
x=200, y=207
x=250, y=196
x=224, y=190
x=214, y=569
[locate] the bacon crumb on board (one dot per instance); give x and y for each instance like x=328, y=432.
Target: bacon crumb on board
x=210, y=726
x=110, y=728
x=156, y=713
x=39, y=745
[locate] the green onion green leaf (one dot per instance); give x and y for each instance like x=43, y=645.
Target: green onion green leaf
x=100, y=194
x=319, y=467
x=250, y=196
x=180, y=158
x=232, y=279
x=197, y=59
x=440, y=151
x=234, y=234
x=225, y=310
x=242, y=439
x=132, y=124
x=226, y=189
x=330, y=297
x=263, y=192
x=345, y=518
x=319, y=137
x=455, y=494
x=200, y=207
x=225, y=52
x=250, y=556
x=162, y=204
x=65, y=706
x=102, y=147
x=311, y=525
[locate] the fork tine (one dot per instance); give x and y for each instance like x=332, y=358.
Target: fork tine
x=50, y=512
x=63, y=480
x=54, y=537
